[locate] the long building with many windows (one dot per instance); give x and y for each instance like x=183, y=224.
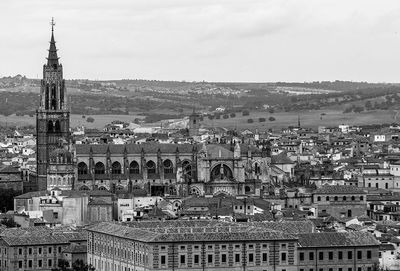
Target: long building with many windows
x=211, y=245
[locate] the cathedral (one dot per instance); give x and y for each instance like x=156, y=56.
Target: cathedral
x=173, y=169
x=158, y=169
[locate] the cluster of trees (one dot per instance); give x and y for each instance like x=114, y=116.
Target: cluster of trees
x=7, y=199
x=78, y=265
x=261, y=120
x=354, y=108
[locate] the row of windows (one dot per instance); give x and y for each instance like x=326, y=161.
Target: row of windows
x=39, y=263
x=134, y=168
x=330, y=255
x=40, y=250
x=336, y=198
x=369, y=268
x=211, y=258
x=223, y=247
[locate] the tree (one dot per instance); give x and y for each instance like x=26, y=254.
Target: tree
x=78, y=265
x=347, y=110
x=358, y=109
x=368, y=105
x=271, y=119
x=62, y=265
x=9, y=222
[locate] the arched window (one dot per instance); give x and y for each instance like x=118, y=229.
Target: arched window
x=53, y=98
x=336, y=198
x=361, y=198
x=82, y=168
x=168, y=168
x=221, y=171
x=344, y=198
x=99, y=168
x=327, y=198
x=134, y=168
x=353, y=198
x=247, y=189
x=46, y=98
x=151, y=167
x=318, y=198
x=50, y=126
x=116, y=168
x=102, y=188
x=84, y=188
x=57, y=127
x=257, y=169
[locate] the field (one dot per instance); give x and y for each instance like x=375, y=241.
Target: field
x=311, y=118
x=76, y=120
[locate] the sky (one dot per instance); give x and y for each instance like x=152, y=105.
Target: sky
x=211, y=40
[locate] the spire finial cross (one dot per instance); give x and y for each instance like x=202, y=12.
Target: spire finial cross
x=52, y=23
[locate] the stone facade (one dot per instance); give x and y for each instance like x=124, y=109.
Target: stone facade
x=173, y=169
x=52, y=116
x=341, y=201
x=35, y=248
x=225, y=246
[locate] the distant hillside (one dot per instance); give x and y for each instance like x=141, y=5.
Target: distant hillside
x=157, y=100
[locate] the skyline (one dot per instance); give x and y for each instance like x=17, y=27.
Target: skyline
x=247, y=41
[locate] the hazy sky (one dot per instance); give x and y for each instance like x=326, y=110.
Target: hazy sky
x=212, y=40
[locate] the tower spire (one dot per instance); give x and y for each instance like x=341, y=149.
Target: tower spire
x=52, y=59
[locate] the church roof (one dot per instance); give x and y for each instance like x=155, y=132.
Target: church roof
x=133, y=148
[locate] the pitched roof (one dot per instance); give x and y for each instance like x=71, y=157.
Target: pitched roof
x=188, y=234
x=39, y=236
x=339, y=189
x=337, y=239
x=133, y=148
x=281, y=158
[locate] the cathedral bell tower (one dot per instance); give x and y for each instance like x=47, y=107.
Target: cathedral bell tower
x=52, y=116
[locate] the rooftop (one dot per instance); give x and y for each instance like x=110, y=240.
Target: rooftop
x=222, y=232
x=339, y=189
x=337, y=239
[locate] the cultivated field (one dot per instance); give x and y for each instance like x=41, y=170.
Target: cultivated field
x=76, y=120
x=311, y=118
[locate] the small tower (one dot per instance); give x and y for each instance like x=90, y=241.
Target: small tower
x=52, y=116
x=194, y=123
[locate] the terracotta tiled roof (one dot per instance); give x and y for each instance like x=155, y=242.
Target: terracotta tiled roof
x=281, y=158
x=339, y=189
x=133, y=148
x=192, y=234
x=337, y=239
x=39, y=236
